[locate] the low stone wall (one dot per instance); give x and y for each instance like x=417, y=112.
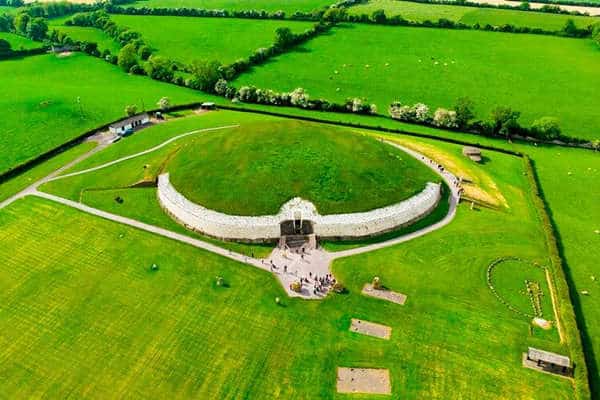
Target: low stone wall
x=267, y=228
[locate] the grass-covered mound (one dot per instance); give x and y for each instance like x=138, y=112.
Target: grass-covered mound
x=254, y=169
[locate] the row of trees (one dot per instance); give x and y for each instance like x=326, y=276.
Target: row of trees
x=380, y=17
x=201, y=12
x=504, y=120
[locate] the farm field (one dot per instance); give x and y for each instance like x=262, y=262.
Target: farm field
x=39, y=120
x=493, y=69
x=163, y=319
x=221, y=39
x=87, y=34
x=19, y=42
x=470, y=15
x=569, y=178
x=290, y=6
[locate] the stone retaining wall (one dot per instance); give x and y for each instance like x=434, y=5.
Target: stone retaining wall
x=267, y=228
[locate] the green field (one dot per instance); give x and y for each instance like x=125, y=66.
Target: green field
x=88, y=34
x=569, y=178
x=40, y=101
x=470, y=15
x=437, y=66
x=19, y=42
x=221, y=39
x=115, y=328
x=289, y=6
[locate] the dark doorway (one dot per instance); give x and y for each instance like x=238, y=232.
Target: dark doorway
x=296, y=227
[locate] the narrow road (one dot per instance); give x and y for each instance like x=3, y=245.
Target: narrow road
x=593, y=11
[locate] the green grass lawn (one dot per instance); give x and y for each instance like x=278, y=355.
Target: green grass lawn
x=36, y=173
x=222, y=39
x=570, y=179
x=289, y=6
x=88, y=34
x=530, y=73
x=85, y=315
x=470, y=15
x=18, y=42
x=40, y=101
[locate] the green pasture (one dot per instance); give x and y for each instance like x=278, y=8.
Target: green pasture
x=87, y=34
x=40, y=101
x=470, y=15
x=85, y=315
x=289, y=6
x=18, y=42
x=529, y=73
x=221, y=39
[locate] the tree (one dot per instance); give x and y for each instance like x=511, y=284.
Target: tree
x=284, y=38
x=335, y=14
x=144, y=52
x=37, y=29
x=221, y=87
x=546, y=128
x=6, y=23
x=505, y=121
x=206, y=74
x=159, y=68
x=131, y=110
x=570, y=28
x=127, y=57
x=5, y=49
x=21, y=21
x=464, y=111
x=445, y=118
x=378, y=16
x=164, y=103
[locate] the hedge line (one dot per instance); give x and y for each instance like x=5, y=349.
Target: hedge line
x=552, y=8
x=24, y=53
x=563, y=287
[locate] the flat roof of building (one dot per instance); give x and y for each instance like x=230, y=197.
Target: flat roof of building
x=129, y=120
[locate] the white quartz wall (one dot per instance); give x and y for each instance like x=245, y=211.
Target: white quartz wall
x=265, y=228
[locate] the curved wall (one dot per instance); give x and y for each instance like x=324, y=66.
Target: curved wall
x=267, y=228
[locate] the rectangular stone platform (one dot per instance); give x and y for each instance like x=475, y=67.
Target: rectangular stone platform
x=384, y=294
x=363, y=380
x=370, y=329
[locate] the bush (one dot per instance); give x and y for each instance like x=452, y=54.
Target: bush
x=547, y=128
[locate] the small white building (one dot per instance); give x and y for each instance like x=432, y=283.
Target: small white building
x=119, y=128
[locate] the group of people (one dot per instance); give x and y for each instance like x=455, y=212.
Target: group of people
x=321, y=284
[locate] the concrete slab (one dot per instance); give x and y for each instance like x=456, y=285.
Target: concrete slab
x=384, y=294
x=363, y=380
x=370, y=329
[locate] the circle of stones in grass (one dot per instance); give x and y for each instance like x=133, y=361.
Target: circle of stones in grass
x=533, y=289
